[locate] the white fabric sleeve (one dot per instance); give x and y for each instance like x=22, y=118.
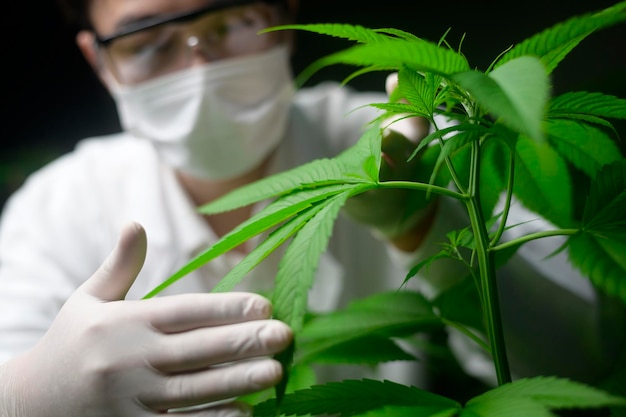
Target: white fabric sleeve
x=41, y=259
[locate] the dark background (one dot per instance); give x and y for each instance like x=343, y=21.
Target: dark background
x=51, y=98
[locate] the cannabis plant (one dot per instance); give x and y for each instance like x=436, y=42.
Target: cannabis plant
x=507, y=136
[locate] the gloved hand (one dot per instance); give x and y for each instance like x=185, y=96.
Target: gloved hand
x=398, y=215
x=103, y=356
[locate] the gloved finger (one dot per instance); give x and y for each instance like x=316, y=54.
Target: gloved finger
x=212, y=384
x=118, y=272
x=230, y=409
x=197, y=349
x=191, y=311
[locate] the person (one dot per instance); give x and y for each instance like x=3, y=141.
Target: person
x=226, y=99
x=207, y=105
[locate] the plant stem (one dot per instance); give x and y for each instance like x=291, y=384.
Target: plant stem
x=424, y=187
x=532, y=236
x=487, y=270
x=448, y=161
x=507, y=202
x=467, y=333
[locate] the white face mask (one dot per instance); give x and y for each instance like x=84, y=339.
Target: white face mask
x=216, y=121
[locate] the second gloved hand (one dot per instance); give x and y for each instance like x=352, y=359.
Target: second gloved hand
x=400, y=216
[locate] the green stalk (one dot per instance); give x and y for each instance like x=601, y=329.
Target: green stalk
x=449, y=165
x=534, y=236
x=487, y=271
x=507, y=202
x=467, y=333
x=423, y=187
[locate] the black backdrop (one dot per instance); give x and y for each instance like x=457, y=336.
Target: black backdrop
x=51, y=98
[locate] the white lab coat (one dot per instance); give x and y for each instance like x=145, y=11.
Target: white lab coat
x=58, y=228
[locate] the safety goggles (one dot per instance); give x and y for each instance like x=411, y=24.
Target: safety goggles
x=159, y=45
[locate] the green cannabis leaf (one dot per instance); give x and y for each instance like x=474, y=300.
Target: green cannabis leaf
x=295, y=191
x=516, y=92
x=495, y=135
x=395, y=313
x=541, y=393
x=598, y=250
x=543, y=183
x=555, y=43
x=354, y=397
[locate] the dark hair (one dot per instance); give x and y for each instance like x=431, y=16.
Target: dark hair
x=76, y=12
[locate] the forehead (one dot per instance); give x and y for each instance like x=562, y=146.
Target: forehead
x=108, y=16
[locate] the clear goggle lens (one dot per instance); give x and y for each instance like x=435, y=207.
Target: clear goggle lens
x=171, y=46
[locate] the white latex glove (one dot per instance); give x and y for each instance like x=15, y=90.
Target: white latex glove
x=106, y=357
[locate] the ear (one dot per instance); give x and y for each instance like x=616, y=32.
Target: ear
x=87, y=45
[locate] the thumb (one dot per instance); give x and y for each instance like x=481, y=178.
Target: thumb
x=118, y=272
